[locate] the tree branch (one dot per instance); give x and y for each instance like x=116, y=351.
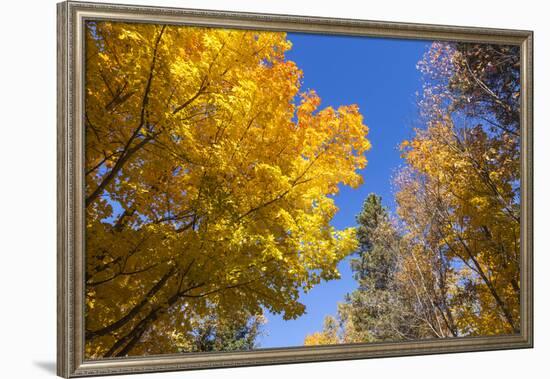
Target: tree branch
x=128, y=151
x=134, y=311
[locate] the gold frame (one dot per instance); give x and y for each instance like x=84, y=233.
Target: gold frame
x=70, y=184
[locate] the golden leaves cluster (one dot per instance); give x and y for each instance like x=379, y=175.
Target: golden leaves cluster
x=207, y=177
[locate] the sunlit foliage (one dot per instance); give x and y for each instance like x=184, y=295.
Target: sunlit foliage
x=448, y=265
x=208, y=183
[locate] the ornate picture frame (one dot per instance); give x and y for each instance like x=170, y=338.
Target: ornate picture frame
x=71, y=361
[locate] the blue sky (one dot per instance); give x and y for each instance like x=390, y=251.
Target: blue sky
x=380, y=76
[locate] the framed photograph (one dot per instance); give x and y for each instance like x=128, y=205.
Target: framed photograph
x=248, y=189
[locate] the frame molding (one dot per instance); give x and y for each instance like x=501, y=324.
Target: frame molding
x=70, y=188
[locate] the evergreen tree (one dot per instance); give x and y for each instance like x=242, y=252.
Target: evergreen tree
x=375, y=311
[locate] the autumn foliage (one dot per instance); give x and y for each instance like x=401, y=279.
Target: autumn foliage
x=210, y=177
x=448, y=263
x=208, y=183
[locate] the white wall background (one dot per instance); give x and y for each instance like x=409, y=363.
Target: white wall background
x=28, y=193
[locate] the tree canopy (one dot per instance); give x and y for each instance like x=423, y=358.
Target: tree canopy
x=209, y=177
x=447, y=263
